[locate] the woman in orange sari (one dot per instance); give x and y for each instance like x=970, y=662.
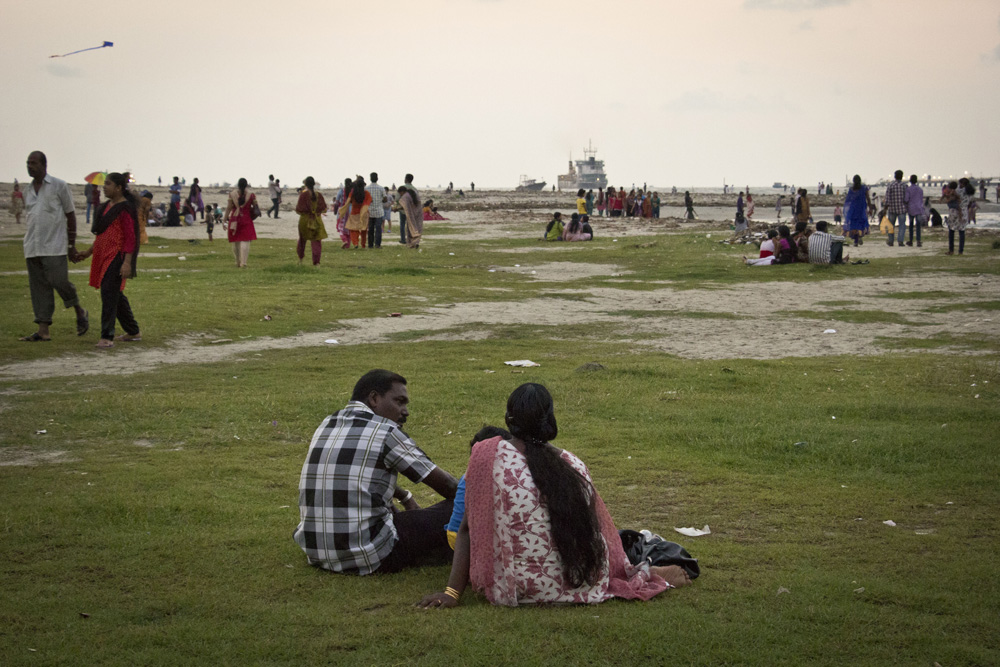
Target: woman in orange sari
x=116, y=231
x=356, y=211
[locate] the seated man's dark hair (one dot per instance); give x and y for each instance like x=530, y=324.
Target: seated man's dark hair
x=378, y=380
x=821, y=226
x=800, y=226
x=487, y=432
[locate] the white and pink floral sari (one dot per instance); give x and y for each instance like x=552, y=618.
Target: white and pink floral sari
x=513, y=559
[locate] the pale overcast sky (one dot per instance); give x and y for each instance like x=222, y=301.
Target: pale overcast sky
x=671, y=92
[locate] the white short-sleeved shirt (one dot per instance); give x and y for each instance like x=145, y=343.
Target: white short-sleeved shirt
x=46, y=212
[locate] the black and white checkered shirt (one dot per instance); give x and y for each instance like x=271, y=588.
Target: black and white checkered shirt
x=346, y=487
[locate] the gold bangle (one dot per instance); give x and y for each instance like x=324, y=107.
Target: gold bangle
x=452, y=593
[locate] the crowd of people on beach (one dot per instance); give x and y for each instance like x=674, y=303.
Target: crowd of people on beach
x=903, y=206
x=524, y=525
x=637, y=203
x=363, y=209
x=120, y=227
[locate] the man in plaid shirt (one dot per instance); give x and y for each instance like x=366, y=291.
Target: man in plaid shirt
x=895, y=206
x=348, y=522
x=376, y=212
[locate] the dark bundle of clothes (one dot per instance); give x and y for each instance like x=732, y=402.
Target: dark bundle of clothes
x=653, y=549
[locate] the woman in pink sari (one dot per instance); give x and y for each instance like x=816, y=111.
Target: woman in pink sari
x=535, y=529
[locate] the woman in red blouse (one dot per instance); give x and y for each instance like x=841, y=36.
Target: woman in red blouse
x=116, y=230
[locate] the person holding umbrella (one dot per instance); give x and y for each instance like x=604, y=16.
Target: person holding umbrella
x=116, y=232
x=92, y=191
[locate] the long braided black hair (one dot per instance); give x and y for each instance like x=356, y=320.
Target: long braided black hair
x=568, y=496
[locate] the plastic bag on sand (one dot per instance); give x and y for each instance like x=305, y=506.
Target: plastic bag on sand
x=523, y=363
x=694, y=532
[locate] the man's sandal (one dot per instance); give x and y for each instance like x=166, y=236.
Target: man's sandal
x=34, y=338
x=82, y=324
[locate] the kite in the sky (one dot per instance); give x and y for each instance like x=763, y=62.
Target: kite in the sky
x=105, y=44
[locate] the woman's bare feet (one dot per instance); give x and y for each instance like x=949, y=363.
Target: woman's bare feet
x=674, y=574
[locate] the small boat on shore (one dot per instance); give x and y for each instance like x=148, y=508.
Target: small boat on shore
x=529, y=185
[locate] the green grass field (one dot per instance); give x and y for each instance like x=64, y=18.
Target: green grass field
x=153, y=524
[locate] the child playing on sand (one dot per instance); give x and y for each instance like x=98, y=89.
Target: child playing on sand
x=211, y=215
x=458, y=511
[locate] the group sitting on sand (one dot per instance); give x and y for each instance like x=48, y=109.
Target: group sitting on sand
x=525, y=525
x=578, y=229
x=805, y=246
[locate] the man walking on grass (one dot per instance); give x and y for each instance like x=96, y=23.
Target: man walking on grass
x=274, y=192
x=348, y=482
x=895, y=203
x=408, y=184
x=49, y=244
x=915, y=209
x=376, y=212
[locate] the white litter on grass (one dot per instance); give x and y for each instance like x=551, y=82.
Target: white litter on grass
x=332, y=341
x=522, y=363
x=182, y=258
x=830, y=331
x=42, y=432
x=493, y=270
x=489, y=371
x=859, y=590
x=924, y=531
x=889, y=522
x=451, y=254
x=782, y=590
x=694, y=532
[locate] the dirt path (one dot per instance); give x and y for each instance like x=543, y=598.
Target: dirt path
x=678, y=322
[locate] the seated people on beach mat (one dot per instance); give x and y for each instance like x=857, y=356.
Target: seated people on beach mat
x=458, y=511
x=348, y=482
x=824, y=248
x=535, y=529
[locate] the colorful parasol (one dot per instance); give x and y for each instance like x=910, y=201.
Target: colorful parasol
x=96, y=177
